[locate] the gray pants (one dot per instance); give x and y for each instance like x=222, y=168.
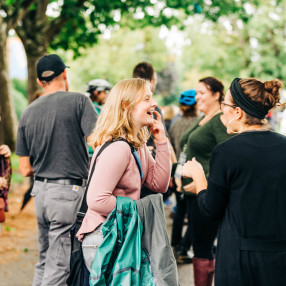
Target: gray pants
x=56, y=207
x=90, y=243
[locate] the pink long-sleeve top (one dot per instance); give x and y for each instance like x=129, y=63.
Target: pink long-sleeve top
x=116, y=174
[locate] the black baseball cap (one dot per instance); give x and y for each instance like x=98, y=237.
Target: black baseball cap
x=49, y=67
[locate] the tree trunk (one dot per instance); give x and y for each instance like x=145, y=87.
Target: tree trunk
x=8, y=114
x=32, y=76
x=35, y=47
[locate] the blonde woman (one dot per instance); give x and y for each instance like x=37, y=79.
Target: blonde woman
x=126, y=114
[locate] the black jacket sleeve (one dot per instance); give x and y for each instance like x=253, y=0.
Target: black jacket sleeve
x=213, y=201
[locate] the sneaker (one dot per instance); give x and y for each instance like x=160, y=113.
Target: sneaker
x=167, y=202
x=185, y=257
x=174, y=209
x=177, y=250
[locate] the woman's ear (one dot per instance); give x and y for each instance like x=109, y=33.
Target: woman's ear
x=217, y=95
x=123, y=105
x=238, y=112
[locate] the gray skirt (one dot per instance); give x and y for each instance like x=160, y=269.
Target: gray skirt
x=90, y=243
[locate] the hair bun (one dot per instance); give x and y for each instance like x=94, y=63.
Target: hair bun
x=265, y=94
x=273, y=87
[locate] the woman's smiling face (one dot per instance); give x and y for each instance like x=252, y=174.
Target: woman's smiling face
x=143, y=110
x=205, y=98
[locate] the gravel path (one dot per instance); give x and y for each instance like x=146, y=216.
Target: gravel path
x=18, y=244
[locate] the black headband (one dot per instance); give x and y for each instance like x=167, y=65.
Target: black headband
x=244, y=102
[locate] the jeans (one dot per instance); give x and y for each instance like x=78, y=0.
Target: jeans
x=90, y=243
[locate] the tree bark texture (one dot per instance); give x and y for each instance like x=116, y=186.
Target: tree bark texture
x=13, y=13
x=8, y=114
x=35, y=37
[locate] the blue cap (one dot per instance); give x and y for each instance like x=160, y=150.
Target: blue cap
x=188, y=97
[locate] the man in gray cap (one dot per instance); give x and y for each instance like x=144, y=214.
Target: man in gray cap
x=52, y=136
x=98, y=90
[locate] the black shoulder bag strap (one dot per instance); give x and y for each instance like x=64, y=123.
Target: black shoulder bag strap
x=83, y=207
x=77, y=266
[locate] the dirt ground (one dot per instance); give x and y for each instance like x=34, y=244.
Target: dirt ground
x=18, y=243
x=18, y=240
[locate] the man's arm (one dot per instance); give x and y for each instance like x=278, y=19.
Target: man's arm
x=25, y=166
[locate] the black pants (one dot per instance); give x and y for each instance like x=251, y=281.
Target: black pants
x=204, y=231
x=178, y=223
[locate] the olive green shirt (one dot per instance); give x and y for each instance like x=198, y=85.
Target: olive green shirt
x=201, y=140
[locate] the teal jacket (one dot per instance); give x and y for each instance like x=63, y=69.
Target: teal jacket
x=120, y=259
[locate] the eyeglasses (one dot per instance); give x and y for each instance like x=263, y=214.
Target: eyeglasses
x=230, y=105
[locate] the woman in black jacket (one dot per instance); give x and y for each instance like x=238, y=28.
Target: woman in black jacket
x=246, y=189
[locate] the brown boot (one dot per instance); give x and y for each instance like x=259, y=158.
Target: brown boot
x=203, y=271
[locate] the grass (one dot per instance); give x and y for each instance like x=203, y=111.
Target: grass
x=16, y=175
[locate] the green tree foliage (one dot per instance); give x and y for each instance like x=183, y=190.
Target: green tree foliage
x=267, y=34
x=19, y=94
x=230, y=47
x=20, y=101
x=215, y=9
x=226, y=49
x=78, y=23
x=212, y=50
x=20, y=85
x=114, y=59
x=74, y=24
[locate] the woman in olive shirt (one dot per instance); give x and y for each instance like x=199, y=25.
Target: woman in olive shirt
x=201, y=139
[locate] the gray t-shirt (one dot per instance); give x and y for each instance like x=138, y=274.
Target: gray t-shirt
x=52, y=132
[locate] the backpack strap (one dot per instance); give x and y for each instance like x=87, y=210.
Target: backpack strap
x=135, y=154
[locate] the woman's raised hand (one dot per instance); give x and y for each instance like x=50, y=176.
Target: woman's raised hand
x=193, y=169
x=157, y=128
x=191, y=188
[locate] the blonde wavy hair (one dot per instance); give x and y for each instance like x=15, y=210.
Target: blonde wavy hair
x=115, y=121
